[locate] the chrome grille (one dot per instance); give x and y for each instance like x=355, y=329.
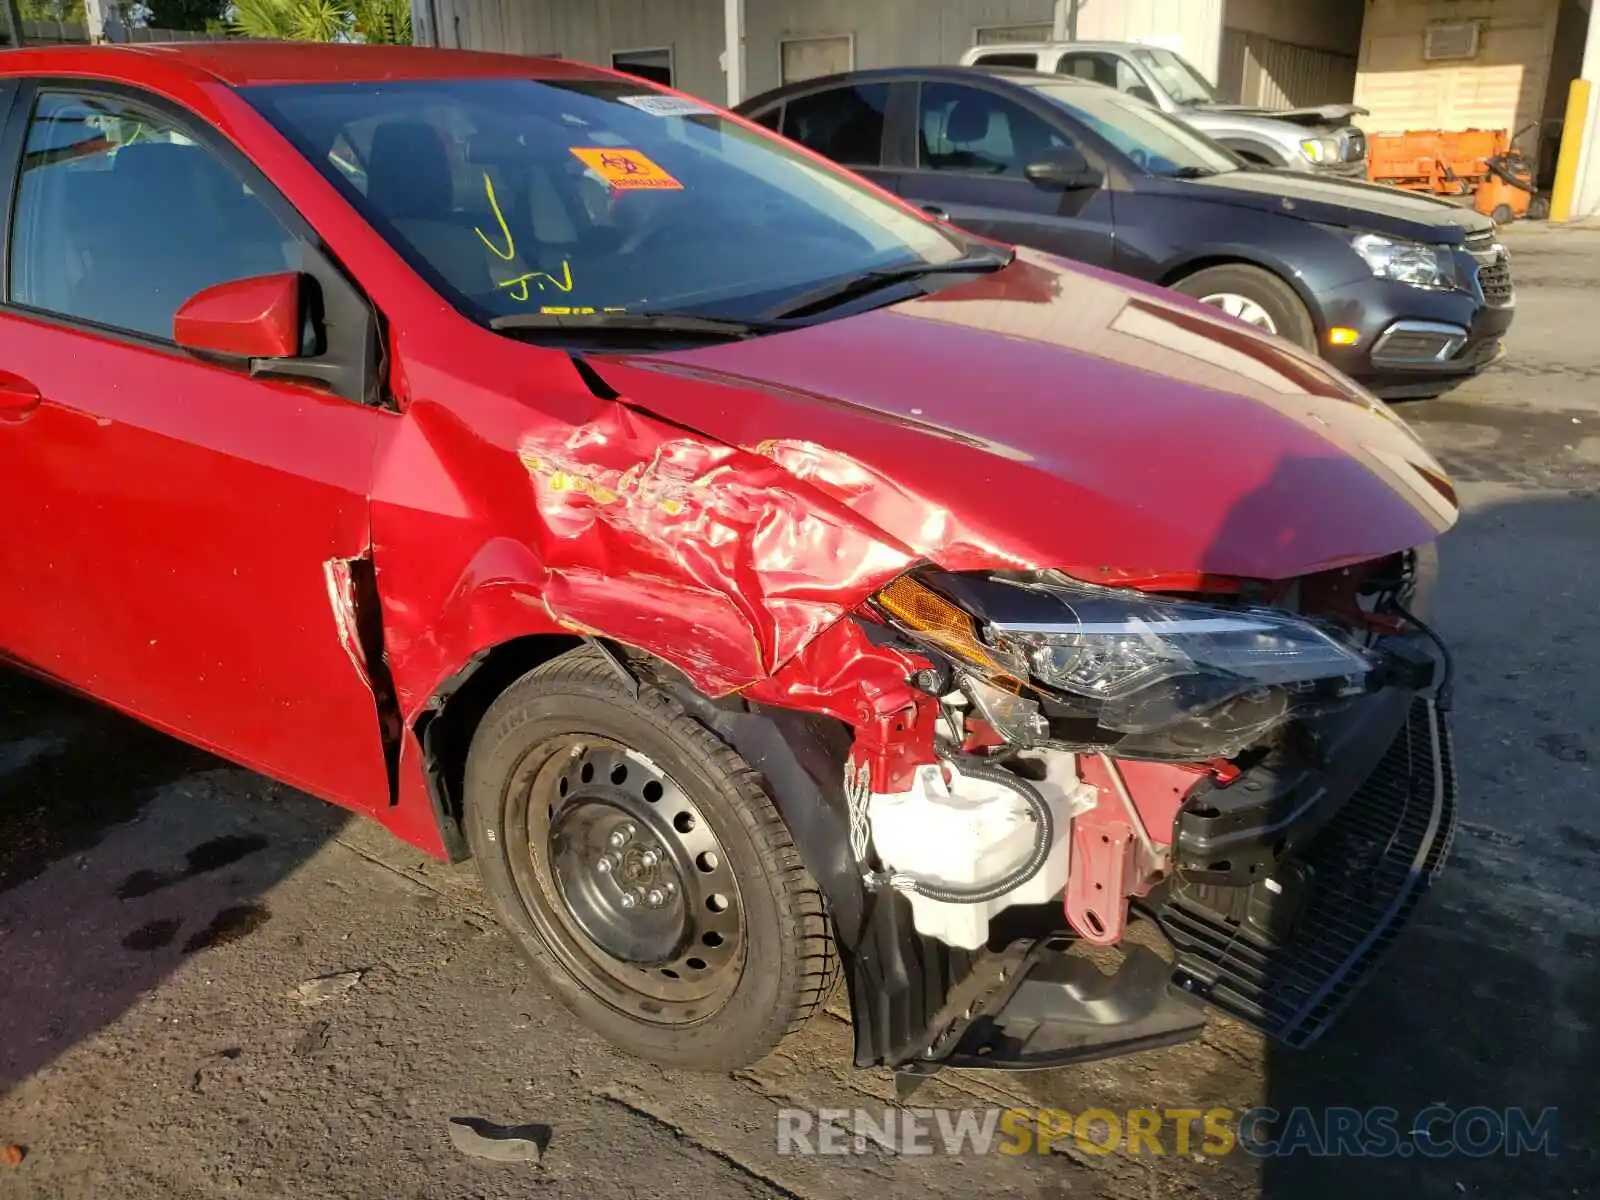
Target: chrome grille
x=1494, y=271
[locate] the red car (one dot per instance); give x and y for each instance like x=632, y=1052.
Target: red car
x=755, y=576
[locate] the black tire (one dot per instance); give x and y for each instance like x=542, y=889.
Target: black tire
x=1280, y=301
x=786, y=961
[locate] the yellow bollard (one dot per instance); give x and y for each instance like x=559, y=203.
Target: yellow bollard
x=1571, y=141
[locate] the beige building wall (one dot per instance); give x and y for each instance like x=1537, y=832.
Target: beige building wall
x=1502, y=86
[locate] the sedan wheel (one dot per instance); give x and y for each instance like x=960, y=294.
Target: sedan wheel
x=1255, y=296
x=632, y=882
x=642, y=867
x=1242, y=308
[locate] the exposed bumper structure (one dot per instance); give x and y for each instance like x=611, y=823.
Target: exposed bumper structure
x=1287, y=953
x=1283, y=953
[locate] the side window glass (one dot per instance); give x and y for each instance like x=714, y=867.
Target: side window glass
x=1096, y=68
x=1127, y=78
x=120, y=217
x=1028, y=62
x=769, y=118
x=844, y=124
x=977, y=132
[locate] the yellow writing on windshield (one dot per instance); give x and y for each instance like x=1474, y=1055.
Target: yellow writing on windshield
x=519, y=287
x=510, y=252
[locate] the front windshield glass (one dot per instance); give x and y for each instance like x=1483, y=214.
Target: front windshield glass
x=1154, y=141
x=1177, y=77
x=521, y=196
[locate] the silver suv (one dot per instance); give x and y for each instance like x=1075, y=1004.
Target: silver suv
x=1318, y=140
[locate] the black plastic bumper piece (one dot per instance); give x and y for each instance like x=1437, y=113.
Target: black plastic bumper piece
x=1060, y=1008
x=900, y=983
x=1286, y=953
x=1235, y=835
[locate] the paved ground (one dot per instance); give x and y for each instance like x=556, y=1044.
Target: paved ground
x=157, y=909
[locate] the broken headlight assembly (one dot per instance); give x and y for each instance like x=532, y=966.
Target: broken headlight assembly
x=1044, y=657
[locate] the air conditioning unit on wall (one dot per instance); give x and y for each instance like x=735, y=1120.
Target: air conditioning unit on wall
x=1450, y=39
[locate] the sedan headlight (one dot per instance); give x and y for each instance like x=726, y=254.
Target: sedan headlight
x=1406, y=262
x=1181, y=678
x=1147, y=661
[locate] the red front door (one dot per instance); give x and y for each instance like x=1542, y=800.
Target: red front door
x=171, y=521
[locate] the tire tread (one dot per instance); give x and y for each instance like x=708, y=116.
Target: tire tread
x=800, y=903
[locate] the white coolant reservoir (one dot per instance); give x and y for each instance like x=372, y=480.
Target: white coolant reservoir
x=967, y=832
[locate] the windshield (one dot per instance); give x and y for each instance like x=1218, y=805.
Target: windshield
x=1177, y=78
x=1154, y=141
x=517, y=196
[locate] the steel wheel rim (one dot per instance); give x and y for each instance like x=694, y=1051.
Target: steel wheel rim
x=1242, y=308
x=597, y=822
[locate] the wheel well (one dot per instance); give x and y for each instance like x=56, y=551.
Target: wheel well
x=454, y=712
x=1196, y=265
x=1251, y=152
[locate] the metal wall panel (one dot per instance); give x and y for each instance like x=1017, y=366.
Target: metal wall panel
x=885, y=32
x=1319, y=24
x=1257, y=69
x=1191, y=27
x=590, y=31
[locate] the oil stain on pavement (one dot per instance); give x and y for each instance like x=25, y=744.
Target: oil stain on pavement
x=153, y=935
x=230, y=925
x=208, y=856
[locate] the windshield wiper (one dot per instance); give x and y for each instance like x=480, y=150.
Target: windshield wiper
x=852, y=286
x=637, y=322
x=1191, y=173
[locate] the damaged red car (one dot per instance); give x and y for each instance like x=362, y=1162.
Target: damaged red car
x=758, y=579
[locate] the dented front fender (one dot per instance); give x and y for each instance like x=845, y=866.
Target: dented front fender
x=718, y=560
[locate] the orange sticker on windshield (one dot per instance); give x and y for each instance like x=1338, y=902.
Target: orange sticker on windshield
x=626, y=170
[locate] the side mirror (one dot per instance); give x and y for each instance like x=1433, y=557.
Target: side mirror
x=1066, y=168
x=1139, y=92
x=256, y=318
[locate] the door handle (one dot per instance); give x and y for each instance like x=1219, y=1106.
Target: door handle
x=937, y=213
x=18, y=397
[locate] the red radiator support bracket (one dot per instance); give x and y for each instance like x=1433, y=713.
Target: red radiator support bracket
x=1109, y=862
x=1101, y=875
x=894, y=744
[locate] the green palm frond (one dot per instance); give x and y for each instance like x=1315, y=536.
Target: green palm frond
x=269, y=19
x=383, y=21
x=318, y=20
x=386, y=22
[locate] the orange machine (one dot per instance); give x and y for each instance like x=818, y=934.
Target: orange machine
x=1480, y=166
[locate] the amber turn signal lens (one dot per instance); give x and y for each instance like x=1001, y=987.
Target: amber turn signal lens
x=925, y=612
x=1341, y=335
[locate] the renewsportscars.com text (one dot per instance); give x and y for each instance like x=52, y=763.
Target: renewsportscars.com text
x=1434, y=1132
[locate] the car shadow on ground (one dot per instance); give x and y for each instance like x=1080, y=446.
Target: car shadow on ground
x=114, y=869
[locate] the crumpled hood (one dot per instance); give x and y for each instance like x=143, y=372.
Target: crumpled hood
x=1047, y=416
x=1325, y=114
